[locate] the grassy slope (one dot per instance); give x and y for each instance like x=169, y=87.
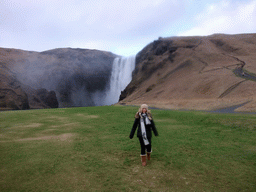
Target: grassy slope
x=88, y=149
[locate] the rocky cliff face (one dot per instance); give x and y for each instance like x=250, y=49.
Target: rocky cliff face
x=11, y=94
x=195, y=73
x=59, y=77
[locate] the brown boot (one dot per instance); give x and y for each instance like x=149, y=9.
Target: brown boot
x=144, y=160
x=148, y=156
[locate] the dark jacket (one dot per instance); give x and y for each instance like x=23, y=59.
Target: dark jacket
x=148, y=128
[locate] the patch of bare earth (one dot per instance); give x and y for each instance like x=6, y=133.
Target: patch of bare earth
x=88, y=116
x=48, y=130
x=32, y=125
x=62, y=137
x=65, y=125
x=57, y=118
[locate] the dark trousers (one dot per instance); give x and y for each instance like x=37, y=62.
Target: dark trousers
x=144, y=147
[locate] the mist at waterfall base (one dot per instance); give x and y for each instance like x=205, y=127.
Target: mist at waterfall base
x=121, y=76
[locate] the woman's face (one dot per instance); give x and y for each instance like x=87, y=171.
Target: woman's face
x=144, y=110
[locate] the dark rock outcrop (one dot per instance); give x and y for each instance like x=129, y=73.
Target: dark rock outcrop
x=48, y=97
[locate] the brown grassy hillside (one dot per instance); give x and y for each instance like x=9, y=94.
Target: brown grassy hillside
x=201, y=73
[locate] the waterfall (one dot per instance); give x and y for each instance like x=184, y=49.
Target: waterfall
x=121, y=76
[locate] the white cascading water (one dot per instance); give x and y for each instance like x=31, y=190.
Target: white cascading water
x=121, y=76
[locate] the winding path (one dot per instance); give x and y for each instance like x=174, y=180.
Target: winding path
x=238, y=71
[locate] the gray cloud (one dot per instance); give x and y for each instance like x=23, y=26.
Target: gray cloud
x=122, y=27
x=229, y=17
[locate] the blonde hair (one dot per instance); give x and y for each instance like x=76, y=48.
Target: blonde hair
x=143, y=106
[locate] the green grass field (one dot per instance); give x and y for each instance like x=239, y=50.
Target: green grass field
x=88, y=149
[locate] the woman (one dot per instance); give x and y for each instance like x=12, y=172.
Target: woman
x=144, y=120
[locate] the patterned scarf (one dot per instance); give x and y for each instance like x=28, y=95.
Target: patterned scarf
x=143, y=128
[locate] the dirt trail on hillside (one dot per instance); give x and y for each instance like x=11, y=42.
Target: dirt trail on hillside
x=238, y=71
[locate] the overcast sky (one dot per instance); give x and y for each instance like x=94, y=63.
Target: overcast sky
x=122, y=27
